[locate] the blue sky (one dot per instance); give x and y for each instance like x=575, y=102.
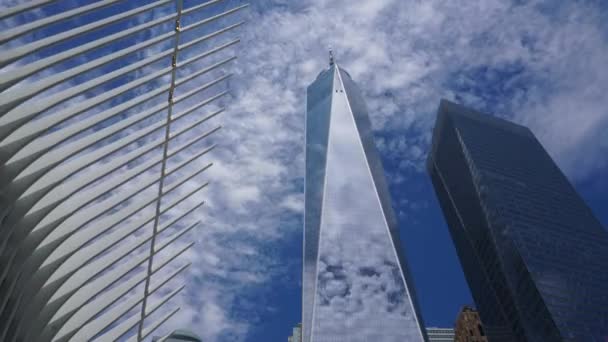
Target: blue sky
x=539, y=63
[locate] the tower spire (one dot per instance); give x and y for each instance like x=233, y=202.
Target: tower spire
x=331, y=56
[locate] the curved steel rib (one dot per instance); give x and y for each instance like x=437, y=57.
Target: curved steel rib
x=75, y=176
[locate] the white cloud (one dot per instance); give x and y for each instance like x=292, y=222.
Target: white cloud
x=405, y=55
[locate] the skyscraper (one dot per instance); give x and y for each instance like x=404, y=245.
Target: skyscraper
x=355, y=283
x=534, y=255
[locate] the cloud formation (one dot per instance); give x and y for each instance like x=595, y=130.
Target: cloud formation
x=520, y=60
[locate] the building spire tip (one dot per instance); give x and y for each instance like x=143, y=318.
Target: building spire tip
x=331, y=57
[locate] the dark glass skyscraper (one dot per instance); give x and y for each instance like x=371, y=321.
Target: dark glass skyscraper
x=356, y=286
x=534, y=255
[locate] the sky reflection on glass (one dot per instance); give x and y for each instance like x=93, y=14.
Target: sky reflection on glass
x=359, y=291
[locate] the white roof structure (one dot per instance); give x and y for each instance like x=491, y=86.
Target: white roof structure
x=99, y=179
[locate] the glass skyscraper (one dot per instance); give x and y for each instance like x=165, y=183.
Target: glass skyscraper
x=534, y=255
x=355, y=283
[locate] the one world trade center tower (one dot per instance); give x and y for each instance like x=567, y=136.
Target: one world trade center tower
x=356, y=286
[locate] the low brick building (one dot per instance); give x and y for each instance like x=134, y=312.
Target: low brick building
x=468, y=326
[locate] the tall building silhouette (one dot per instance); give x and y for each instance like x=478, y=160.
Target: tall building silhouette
x=534, y=255
x=356, y=285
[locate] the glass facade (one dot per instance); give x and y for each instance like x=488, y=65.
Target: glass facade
x=534, y=255
x=355, y=282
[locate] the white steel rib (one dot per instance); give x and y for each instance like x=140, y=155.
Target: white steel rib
x=83, y=147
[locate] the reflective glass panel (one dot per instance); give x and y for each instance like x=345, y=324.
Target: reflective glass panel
x=360, y=291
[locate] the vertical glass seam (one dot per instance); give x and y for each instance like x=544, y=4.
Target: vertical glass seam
x=314, y=297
